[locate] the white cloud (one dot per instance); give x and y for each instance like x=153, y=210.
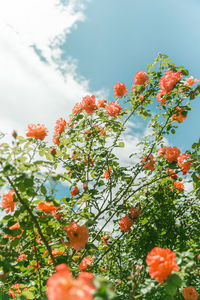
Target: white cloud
x=33, y=91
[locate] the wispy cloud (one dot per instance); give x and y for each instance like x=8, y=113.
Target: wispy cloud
x=36, y=85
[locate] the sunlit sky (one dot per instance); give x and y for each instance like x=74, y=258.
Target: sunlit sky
x=121, y=37
x=55, y=52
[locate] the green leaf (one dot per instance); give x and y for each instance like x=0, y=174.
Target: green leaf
x=121, y=144
x=43, y=190
x=171, y=289
x=174, y=279
x=144, y=221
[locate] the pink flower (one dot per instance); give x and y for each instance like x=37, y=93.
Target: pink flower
x=141, y=77
x=113, y=109
x=89, y=104
x=120, y=89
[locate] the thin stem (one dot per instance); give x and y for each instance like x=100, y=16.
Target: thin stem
x=34, y=219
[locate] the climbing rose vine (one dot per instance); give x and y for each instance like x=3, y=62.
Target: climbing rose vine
x=81, y=218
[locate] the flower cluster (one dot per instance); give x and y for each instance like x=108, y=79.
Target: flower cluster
x=126, y=223
x=86, y=261
x=58, y=129
x=148, y=163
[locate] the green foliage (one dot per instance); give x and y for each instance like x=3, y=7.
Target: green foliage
x=87, y=157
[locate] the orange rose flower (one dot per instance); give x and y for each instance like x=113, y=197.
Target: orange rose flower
x=133, y=88
x=15, y=226
x=7, y=201
x=141, y=97
x=36, y=131
x=47, y=207
x=171, y=173
x=78, y=236
x=172, y=154
x=120, y=89
x=178, y=117
x=149, y=165
x=190, y=81
x=105, y=239
x=77, y=108
x=113, y=109
x=126, y=223
x=183, y=162
x=161, y=263
x=169, y=80
x=159, y=95
x=16, y=288
x=89, y=104
x=75, y=191
x=135, y=212
x=22, y=257
x=189, y=293
x=62, y=286
x=86, y=261
x=162, y=151
x=107, y=172
x=179, y=186
x=141, y=77
x=101, y=103
x=58, y=129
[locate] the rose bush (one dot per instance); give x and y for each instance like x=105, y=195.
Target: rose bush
x=119, y=232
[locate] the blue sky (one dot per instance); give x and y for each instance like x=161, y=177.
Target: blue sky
x=121, y=37
x=54, y=53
